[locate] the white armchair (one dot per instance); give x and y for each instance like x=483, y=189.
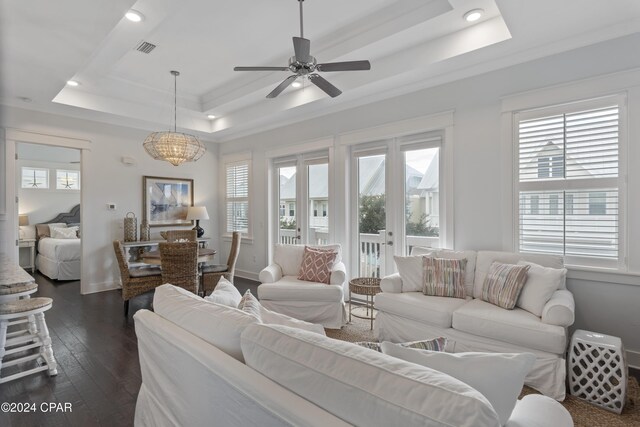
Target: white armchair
x=282, y=292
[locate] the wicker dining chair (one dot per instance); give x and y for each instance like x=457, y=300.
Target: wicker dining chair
x=211, y=274
x=180, y=264
x=135, y=281
x=181, y=235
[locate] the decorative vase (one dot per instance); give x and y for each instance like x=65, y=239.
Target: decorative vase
x=130, y=227
x=145, y=231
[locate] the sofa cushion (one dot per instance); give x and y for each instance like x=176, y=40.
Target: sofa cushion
x=436, y=311
x=444, y=277
x=515, y=326
x=498, y=376
x=503, y=284
x=542, y=282
x=411, y=272
x=486, y=258
x=316, y=265
x=217, y=324
x=289, y=257
x=250, y=304
x=361, y=386
x=225, y=293
x=290, y=288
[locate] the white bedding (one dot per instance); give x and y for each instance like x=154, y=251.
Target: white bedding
x=60, y=249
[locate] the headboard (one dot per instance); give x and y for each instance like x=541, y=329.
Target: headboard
x=71, y=217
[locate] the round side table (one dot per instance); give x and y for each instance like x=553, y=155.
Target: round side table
x=369, y=287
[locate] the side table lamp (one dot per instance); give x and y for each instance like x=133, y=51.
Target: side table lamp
x=197, y=213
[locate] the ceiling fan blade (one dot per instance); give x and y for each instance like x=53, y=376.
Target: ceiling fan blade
x=302, y=47
x=344, y=66
x=329, y=89
x=282, y=86
x=261, y=69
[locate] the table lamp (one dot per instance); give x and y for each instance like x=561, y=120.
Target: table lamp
x=197, y=213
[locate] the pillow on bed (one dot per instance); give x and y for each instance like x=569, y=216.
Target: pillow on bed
x=44, y=230
x=64, y=233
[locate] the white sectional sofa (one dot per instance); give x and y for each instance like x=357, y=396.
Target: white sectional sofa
x=282, y=292
x=192, y=358
x=474, y=325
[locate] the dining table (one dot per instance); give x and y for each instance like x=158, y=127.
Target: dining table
x=153, y=257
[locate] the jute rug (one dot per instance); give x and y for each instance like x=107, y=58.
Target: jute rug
x=584, y=414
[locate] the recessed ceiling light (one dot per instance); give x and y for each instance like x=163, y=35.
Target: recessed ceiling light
x=296, y=84
x=72, y=83
x=134, y=16
x=211, y=116
x=473, y=15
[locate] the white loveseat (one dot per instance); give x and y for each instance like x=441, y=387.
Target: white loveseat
x=475, y=325
x=193, y=375
x=282, y=292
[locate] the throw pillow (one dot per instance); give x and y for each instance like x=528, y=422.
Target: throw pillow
x=410, y=269
x=250, y=305
x=64, y=233
x=541, y=283
x=503, y=284
x=444, y=277
x=225, y=293
x=317, y=265
x=436, y=344
x=498, y=376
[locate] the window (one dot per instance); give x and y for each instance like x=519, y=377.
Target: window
x=237, y=197
x=292, y=209
x=67, y=179
x=35, y=178
x=569, y=182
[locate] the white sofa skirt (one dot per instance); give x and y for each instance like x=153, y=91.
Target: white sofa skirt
x=331, y=315
x=547, y=375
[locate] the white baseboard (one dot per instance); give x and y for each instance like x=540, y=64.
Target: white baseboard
x=633, y=358
x=247, y=275
x=100, y=287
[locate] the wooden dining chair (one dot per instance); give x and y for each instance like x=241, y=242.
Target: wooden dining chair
x=211, y=274
x=181, y=235
x=179, y=262
x=135, y=281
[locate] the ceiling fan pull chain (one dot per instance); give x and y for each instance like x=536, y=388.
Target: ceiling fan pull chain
x=301, y=20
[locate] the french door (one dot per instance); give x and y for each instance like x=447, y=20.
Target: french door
x=302, y=187
x=397, y=203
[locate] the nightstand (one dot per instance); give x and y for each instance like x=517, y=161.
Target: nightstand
x=31, y=244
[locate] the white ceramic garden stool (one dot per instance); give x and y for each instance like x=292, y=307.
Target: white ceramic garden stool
x=24, y=308
x=12, y=293
x=598, y=370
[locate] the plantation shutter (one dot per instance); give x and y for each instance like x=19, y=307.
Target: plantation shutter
x=568, y=185
x=237, y=197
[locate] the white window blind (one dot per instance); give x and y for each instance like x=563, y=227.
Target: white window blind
x=569, y=184
x=35, y=178
x=237, y=197
x=67, y=179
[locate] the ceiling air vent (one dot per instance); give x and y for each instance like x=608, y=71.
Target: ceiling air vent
x=145, y=47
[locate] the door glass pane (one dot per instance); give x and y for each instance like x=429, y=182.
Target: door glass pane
x=371, y=215
x=288, y=230
x=422, y=198
x=318, y=191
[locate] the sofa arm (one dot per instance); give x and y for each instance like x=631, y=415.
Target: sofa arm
x=535, y=410
x=338, y=274
x=270, y=274
x=560, y=309
x=391, y=284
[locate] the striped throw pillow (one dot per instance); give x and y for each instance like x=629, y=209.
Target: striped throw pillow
x=503, y=284
x=250, y=305
x=444, y=277
x=436, y=344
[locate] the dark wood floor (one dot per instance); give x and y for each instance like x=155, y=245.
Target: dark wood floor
x=97, y=354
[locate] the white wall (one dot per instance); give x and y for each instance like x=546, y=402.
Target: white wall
x=482, y=199
x=105, y=179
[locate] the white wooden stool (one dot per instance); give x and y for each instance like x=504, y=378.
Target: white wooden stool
x=598, y=370
x=25, y=308
x=12, y=293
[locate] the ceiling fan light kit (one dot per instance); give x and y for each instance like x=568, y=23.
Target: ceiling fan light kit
x=171, y=146
x=302, y=64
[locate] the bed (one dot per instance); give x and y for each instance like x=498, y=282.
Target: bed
x=59, y=259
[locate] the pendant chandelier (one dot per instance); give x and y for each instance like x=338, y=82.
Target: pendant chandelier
x=174, y=147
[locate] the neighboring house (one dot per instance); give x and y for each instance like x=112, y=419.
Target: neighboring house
x=318, y=198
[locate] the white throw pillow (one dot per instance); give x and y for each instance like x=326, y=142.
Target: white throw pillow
x=541, y=283
x=411, y=272
x=361, y=386
x=225, y=293
x=498, y=376
x=64, y=233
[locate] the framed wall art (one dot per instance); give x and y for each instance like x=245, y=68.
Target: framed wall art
x=166, y=200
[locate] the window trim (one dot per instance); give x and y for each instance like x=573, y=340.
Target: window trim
x=249, y=234
x=620, y=182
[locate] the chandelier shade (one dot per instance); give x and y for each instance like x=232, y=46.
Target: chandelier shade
x=171, y=146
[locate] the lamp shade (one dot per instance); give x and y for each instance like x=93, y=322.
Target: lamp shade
x=23, y=219
x=197, y=212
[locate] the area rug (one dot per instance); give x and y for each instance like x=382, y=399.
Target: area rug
x=584, y=414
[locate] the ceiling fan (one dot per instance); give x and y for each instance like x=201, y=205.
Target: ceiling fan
x=302, y=64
